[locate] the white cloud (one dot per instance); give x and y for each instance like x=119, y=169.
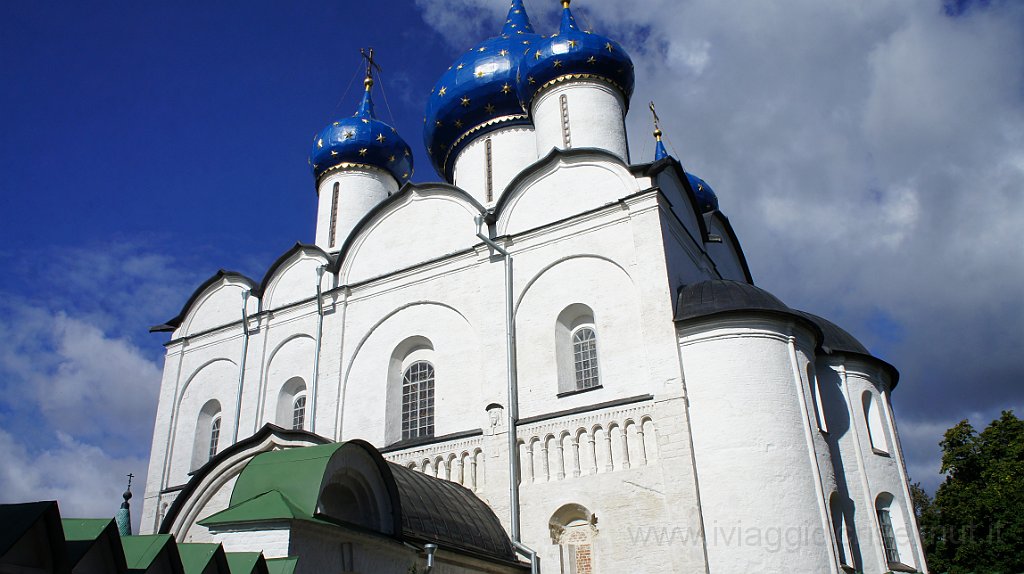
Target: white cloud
x=85, y=480
x=869, y=155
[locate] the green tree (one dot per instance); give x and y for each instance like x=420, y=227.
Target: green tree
x=976, y=522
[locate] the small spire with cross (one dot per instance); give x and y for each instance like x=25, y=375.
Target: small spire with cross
x=371, y=65
x=659, y=147
x=123, y=518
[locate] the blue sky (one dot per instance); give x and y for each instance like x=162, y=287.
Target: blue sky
x=870, y=155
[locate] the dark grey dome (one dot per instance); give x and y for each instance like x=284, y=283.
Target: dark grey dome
x=834, y=338
x=716, y=296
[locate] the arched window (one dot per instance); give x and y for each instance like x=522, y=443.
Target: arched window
x=214, y=437
x=299, y=412
x=873, y=420
x=291, y=404
x=576, y=350
x=206, y=441
x=573, y=528
x=891, y=529
x=584, y=352
x=418, y=400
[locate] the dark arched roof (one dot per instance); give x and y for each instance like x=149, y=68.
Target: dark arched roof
x=834, y=338
x=725, y=296
x=716, y=296
x=438, y=510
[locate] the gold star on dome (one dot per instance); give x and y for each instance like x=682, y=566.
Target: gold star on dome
x=458, y=123
x=465, y=102
x=482, y=48
x=320, y=142
x=366, y=121
x=336, y=124
x=519, y=31
x=363, y=151
x=554, y=35
x=517, y=11
x=381, y=138
x=438, y=123
x=442, y=91
x=479, y=74
x=512, y=26
x=460, y=66
x=531, y=80
x=489, y=108
x=406, y=153
x=394, y=131
x=509, y=21
x=572, y=43
x=405, y=175
x=526, y=42
x=506, y=89
x=503, y=52
x=608, y=46
x=334, y=152
x=592, y=60
x=391, y=159
x=536, y=55
x=348, y=135
x=557, y=63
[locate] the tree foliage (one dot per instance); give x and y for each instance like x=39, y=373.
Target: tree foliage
x=976, y=521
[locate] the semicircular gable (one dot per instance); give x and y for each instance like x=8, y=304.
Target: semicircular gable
x=417, y=224
x=293, y=276
x=201, y=294
x=562, y=184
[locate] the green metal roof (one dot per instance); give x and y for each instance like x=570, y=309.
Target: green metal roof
x=294, y=472
x=267, y=506
x=247, y=563
x=282, y=565
x=141, y=551
x=195, y=557
x=84, y=528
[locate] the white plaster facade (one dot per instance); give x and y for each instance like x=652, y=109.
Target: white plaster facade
x=729, y=443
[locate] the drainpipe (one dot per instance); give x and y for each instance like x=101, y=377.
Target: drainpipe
x=316, y=352
x=513, y=399
x=241, y=364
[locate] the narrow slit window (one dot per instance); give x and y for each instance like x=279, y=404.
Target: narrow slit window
x=418, y=401
x=334, y=213
x=489, y=175
x=566, y=136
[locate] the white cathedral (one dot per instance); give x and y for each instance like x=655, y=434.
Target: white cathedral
x=555, y=360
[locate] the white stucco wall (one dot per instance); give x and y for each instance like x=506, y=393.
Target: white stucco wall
x=596, y=113
x=359, y=191
x=512, y=149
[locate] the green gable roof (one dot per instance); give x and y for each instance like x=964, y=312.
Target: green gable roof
x=296, y=473
x=195, y=557
x=141, y=551
x=247, y=563
x=267, y=506
x=282, y=565
x=84, y=528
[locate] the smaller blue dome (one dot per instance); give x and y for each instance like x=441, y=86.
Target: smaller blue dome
x=572, y=53
x=361, y=140
x=706, y=198
x=477, y=94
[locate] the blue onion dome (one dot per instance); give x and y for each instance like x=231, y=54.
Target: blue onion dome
x=572, y=53
x=477, y=94
x=359, y=141
x=706, y=198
